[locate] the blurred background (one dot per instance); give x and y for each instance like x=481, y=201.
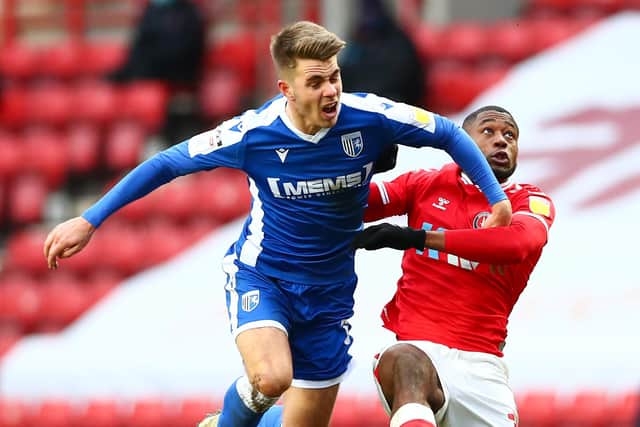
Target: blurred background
x=132, y=332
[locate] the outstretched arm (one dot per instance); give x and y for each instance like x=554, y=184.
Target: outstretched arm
x=497, y=245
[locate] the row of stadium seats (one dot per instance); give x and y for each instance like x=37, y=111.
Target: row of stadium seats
x=584, y=409
x=97, y=102
x=508, y=41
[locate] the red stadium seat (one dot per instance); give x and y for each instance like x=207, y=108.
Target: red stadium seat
x=27, y=197
x=145, y=102
x=224, y=195
x=140, y=209
x=63, y=299
x=49, y=105
x=427, y=41
x=53, y=413
x=450, y=86
x=61, y=60
x=124, y=145
x=102, y=57
x=587, y=408
x=163, y=240
x=220, y=95
x=18, y=61
x=547, y=33
x=83, y=148
x=179, y=199
x=14, y=107
x=45, y=153
x=151, y=413
x=120, y=248
x=464, y=42
x=100, y=413
x=95, y=101
x=537, y=408
x=20, y=301
x=237, y=54
x=13, y=413
x=24, y=252
x=193, y=410
x=10, y=156
x=624, y=409
x=510, y=40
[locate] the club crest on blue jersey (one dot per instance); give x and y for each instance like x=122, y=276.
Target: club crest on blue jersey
x=352, y=144
x=250, y=300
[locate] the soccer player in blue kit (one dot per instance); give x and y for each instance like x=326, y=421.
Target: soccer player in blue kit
x=309, y=156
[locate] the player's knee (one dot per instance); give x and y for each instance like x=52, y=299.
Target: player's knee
x=272, y=384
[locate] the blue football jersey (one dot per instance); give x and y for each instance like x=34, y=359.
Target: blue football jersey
x=308, y=192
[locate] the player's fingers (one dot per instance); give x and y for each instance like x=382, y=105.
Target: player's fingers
x=47, y=244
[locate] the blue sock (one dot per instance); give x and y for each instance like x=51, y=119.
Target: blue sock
x=234, y=411
x=272, y=418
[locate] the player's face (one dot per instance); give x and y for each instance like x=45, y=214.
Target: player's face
x=313, y=92
x=497, y=136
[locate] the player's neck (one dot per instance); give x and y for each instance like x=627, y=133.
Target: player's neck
x=299, y=122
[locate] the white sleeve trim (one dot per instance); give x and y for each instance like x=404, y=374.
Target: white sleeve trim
x=538, y=217
x=383, y=193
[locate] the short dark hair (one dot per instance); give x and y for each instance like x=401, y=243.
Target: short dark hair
x=474, y=114
x=303, y=40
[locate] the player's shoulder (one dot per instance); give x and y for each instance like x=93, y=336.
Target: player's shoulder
x=530, y=198
x=235, y=130
x=389, y=109
x=525, y=190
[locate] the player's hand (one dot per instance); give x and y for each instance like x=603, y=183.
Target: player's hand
x=389, y=236
x=67, y=239
x=500, y=215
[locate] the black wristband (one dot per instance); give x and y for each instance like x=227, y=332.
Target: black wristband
x=417, y=238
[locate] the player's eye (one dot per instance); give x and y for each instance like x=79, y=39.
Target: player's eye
x=487, y=131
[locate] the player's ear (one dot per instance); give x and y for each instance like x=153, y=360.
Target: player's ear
x=286, y=90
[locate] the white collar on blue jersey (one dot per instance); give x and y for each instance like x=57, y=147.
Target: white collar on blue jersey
x=311, y=138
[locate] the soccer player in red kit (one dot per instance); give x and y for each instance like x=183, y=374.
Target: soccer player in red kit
x=459, y=284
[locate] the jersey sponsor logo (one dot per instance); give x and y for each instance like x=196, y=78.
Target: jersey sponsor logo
x=282, y=153
x=442, y=204
x=479, y=219
x=539, y=205
x=305, y=189
x=352, y=144
x=250, y=300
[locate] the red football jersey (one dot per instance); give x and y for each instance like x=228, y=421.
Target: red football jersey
x=462, y=298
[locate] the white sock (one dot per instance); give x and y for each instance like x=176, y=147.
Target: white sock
x=413, y=412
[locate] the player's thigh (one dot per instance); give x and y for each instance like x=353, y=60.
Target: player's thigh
x=404, y=373
x=308, y=407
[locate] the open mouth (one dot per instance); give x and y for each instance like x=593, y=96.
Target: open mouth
x=501, y=158
x=330, y=110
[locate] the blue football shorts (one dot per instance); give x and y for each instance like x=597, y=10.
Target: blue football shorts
x=315, y=318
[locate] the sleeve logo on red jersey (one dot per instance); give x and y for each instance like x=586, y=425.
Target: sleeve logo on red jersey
x=539, y=205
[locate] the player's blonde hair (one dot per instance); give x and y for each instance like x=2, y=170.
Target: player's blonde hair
x=303, y=40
